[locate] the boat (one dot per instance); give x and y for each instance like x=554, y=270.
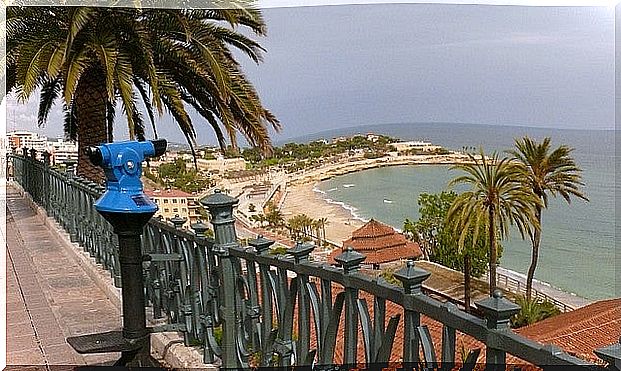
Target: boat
x=348, y=185
x=387, y=201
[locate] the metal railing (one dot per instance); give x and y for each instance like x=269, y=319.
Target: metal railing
x=246, y=307
x=519, y=287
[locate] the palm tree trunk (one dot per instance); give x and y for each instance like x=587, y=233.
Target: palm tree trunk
x=492, y=253
x=90, y=101
x=467, y=268
x=535, y=256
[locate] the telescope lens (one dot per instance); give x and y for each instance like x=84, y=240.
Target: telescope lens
x=94, y=155
x=159, y=145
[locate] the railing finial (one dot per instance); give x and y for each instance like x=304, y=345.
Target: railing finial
x=412, y=277
x=261, y=244
x=497, y=310
x=301, y=251
x=350, y=260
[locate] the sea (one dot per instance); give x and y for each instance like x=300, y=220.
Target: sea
x=578, y=245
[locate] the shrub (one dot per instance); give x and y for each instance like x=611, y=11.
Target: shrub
x=532, y=311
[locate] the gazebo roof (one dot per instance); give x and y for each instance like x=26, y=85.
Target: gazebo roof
x=380, y=243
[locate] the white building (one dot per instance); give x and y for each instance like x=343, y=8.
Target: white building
x=416, y=145
x=63, y=151
x=222, y=164
x=26, y=139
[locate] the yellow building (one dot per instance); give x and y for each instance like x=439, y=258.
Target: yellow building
x=172, y=202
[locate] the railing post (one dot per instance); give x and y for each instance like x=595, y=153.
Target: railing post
x=350, y=260
x=178, y=221
x=300, y=253
x=262, y=247
x=205, y=315
x=497, y=311
x=187, y=297
x=47, y=191
x=220, y=207
x=71, y=206
x=412, y=279
x=32, y=189
x=25, y=170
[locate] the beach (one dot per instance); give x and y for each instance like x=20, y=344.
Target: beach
x=301, y=199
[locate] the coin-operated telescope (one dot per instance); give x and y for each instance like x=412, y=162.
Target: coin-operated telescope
x=128, y=210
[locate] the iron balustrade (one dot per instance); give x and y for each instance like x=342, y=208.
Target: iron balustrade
x=245, y=306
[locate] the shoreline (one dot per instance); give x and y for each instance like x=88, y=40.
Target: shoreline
x=328, y=171
x=303, y=199
x=306, y=198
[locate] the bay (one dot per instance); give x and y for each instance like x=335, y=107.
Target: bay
x=578, y=244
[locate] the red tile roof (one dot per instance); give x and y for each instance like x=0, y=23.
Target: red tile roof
x=580, y=331
x=380, y=243
x=167, y=193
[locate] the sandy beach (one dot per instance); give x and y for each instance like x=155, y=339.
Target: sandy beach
x=301, y=199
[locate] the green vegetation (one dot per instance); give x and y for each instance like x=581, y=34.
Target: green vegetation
x=465, y=230
x=439, y=243
x=165, y=59
x=388, y=274
x=278, y=250
x=532, y=310
x=497, y=199
x=274, y=216
x=177, y=175
x=548, y=173
x=293, y=156
x=439, y=151
x=304, y=228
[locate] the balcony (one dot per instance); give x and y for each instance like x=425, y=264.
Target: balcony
x=245, y=307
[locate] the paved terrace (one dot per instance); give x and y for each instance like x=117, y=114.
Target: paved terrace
x=49, y=295
x=53, y=293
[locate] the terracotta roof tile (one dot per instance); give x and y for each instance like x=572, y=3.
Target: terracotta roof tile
x=373, y=229
x=380, y=243
x=580, y=331
x=166, y=193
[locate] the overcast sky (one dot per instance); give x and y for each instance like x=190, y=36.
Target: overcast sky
x=336, y=66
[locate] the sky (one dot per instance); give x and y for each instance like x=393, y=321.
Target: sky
x=329, y=67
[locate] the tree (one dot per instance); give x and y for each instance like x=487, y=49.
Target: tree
x=497, y=199
x=168, y=59
x=549, y=172
x=323, y=222
x=439, y=244
x=274, y=216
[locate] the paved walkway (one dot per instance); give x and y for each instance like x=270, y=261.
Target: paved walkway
x=49, y=296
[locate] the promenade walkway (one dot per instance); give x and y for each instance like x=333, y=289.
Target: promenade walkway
x=49, y=296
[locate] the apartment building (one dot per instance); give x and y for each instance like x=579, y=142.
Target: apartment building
x=25, y=139
x=63, y=151
x=172, y=202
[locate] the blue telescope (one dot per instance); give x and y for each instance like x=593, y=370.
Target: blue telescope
x=122, y=164
x=128, y=209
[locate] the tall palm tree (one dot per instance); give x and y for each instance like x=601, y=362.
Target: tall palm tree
x=497, y=199
x=167, y=60
x=550, y=172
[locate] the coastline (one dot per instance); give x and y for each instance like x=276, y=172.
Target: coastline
x=303, y=197
x=328, y=171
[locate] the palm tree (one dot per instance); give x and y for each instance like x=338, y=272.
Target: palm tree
x=496, y=200
x=164, y=59
x=550, y=172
